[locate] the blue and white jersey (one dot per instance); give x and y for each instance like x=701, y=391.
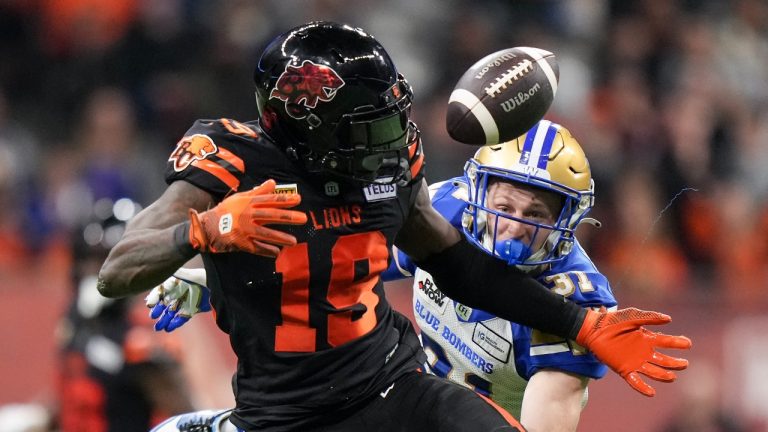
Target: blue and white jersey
x=493, y=356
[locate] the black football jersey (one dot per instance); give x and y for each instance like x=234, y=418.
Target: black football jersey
x=312, y=329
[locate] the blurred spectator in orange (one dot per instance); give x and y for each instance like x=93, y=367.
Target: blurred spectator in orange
x=116, y=373
x=637, y=251
x=741, y=255
x=77, y=27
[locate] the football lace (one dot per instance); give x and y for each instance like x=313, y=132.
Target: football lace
x=508, y=77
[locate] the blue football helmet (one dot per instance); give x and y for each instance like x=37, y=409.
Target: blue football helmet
x=545, y=158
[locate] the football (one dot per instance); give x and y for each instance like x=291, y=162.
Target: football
x=502, y=96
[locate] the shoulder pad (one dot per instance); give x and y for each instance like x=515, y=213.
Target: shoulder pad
x=208, y=155
x=449, y=199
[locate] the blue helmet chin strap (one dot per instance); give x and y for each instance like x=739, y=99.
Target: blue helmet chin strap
x=512, y=251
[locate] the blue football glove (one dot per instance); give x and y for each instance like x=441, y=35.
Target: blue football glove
x=177, y=299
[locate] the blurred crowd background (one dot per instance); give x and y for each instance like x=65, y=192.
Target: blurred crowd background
x=669, y=99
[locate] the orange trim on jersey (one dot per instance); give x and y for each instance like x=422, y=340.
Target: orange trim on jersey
x=238, y=128
x=412, y=149
x=507, y=416
x=416, y=166
x=232, y=159
x=218, y=171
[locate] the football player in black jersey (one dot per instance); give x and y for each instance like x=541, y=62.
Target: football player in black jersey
x=334, y=166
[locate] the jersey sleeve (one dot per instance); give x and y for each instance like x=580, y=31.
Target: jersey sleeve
x=446, y=202
x=208, y=156
x=416, y=160
x=578, y=280
x=400, y=267
x=449, y=199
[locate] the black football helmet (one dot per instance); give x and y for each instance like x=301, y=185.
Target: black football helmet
x=332, y=97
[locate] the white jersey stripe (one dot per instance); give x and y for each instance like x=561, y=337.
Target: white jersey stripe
x=549, y=349
x=538, y=142
x=396, y=259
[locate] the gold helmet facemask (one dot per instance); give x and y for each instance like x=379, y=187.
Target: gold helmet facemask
x=546, y=157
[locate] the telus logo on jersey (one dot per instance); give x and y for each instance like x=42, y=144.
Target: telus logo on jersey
x=379, y=192
x=302, y=87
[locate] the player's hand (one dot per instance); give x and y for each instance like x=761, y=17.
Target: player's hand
x=176, y=300
x=237, y=223
x=619, y=340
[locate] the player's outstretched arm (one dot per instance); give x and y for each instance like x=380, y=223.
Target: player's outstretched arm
x=148, y=254
x=476, y=279
x=174, y=229
x=472, y=277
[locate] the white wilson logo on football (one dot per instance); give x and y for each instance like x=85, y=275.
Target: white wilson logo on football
x=519, y=99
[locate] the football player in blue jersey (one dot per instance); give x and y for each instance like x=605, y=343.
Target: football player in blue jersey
x=295, y=215
x=520, y=202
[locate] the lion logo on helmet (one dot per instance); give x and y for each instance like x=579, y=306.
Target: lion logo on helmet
x=304, y=86
x=190, y=149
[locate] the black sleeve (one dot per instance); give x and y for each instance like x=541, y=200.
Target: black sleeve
x=476, y=279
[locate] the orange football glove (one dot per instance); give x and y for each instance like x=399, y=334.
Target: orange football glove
x=618, y=339
x=237, y=223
